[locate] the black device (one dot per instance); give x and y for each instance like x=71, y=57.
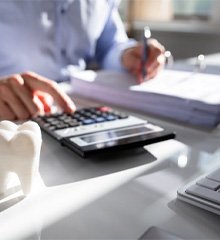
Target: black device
x=96, y=130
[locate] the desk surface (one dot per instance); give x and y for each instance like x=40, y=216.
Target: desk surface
x=119, y=197
x=211, y=63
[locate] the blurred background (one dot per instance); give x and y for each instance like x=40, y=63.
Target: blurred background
x=186, y=27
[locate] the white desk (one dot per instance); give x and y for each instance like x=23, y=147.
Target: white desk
x=115, y=198
x=211, y=61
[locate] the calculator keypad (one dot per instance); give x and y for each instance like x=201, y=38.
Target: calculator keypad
x=86, y=120
x=81, y=117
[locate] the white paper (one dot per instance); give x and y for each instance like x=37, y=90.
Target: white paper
x=186, y=96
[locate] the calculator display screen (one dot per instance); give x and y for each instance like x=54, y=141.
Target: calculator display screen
x=114, y=134
x=119, y=138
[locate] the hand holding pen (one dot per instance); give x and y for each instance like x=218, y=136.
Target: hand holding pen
x=146, y=37
x=145, y=59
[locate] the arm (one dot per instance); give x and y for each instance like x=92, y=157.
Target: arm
x=117, y=52
x=113, y=41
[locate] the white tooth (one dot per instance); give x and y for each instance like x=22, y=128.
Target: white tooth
x=7, y=125
x=31, y=126
x=19, y=153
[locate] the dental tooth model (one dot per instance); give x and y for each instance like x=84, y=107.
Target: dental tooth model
x=19, y=153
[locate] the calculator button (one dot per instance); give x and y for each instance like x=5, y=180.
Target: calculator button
x=104, y=114
x=88, y=121
x=61, y=126
x=88, y=114
x=50, y=119
x=123, y=116
x=74, y=124
x=94, y=116
x=98, y=113
x=46, y=125
x=93, y=110
x=104, y=109
x=111, y=118
x=68, y=120
x=55, y=122
x=41, y=122
x=99, y=119
x=81, y=111
x=62, y=117
x=208, y=183
x=215, y=175
x=76, y=115
x=56, y=115
x=81, y=118
x=51, y=128
x=204, y=193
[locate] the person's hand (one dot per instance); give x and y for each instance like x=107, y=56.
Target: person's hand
x=132, y=59
x=26, y=95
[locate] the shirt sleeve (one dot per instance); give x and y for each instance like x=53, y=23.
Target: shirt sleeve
x=113, y=41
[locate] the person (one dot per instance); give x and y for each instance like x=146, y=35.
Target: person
x=40, y=40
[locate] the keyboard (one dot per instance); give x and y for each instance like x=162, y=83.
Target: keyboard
x=203, y=192
x=101, y=128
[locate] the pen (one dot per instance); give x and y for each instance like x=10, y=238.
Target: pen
x=146, y=36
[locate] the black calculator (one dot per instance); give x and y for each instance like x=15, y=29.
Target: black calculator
x=100, y=129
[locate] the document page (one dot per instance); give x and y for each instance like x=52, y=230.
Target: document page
x=186, y=96
x=186, y=85
x=120, y=80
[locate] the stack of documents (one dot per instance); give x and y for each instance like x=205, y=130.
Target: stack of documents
x=192, y=98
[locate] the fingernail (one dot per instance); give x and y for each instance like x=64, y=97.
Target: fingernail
x=72, y=107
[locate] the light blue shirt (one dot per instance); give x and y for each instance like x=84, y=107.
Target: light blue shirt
x=48, y=36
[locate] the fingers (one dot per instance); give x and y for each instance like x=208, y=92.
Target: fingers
x=156, y=66
x=12, y=107
x=155, y=47
x=156, y=58
x=26, y=95
x=37, y=82
x=46, y=99
x=132, y=59
x=6, y=112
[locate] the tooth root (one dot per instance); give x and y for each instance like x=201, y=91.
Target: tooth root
x=29, y=162
x=26, y=179
x=4, y=176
